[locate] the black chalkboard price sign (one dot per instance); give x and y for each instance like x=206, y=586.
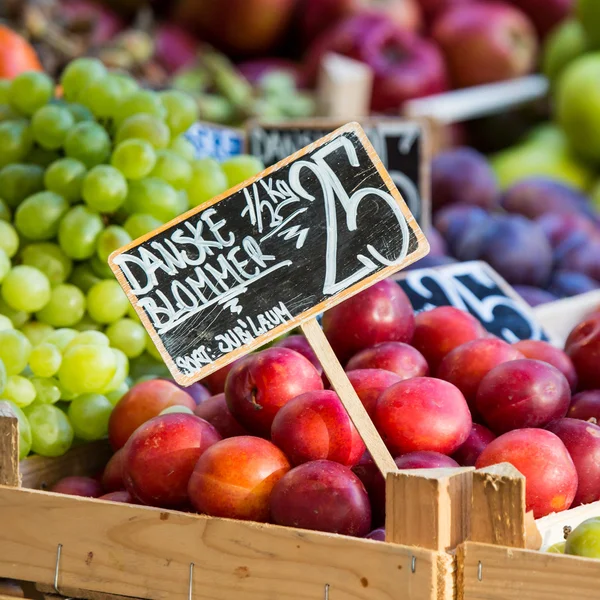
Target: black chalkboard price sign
x=269, y=254
x=475, y=287
x=402, y=146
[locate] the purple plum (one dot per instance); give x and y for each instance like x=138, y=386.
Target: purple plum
x=570, y=283
x=582, y=257
x=463, y=175
x=427, y=262
x=437, y=244
x=453, y=221
x=534, y=296
x=559, y=227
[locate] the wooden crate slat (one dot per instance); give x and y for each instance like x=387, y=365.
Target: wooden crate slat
x=515, y=574
x=146, y=552
x=9, y=446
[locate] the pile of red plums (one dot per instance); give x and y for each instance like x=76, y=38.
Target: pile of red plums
x=273, y=444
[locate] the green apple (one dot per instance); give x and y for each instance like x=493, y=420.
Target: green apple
x=558, y=548
x=562, y=46
x=584, y=540
x=578, y=105
x=595, y=196
x=588, y=13
x=547, y=134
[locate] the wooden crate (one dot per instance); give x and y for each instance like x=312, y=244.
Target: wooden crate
x=503, y=560
x=96, y=549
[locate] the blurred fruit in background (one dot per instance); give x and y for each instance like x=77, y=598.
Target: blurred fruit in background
x=16, y=54
x=545, y=14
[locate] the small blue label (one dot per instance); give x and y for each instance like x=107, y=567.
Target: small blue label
x=215, y=142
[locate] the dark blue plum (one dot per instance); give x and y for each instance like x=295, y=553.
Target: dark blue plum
x=569, y=283
x=454, y=221
x=534, y=296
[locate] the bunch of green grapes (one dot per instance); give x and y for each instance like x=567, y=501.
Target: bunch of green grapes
x=80, y=177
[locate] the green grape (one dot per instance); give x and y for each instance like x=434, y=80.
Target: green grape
x=14, y=350
x=240, y=168
x=9, y=239
x=8, y=113
x=47, y=390
x=89, y=414
x=101, y=96
x=87, y=324
x=121, y=372
x=182, y=146
x=5, y=323
x=100, y=268
x=24, y=431
x=176, y=409
x=89, y=338
x=114, y=396
x=45, y=359
x=128, y=85
x=26, y=288
x=51, y=432
x=88, y=142
x=140, y=224
x=29, y=91
x=41, y=157
x=104, y=189
x=78, y=232
x=15, y=141
x=83, y=277
x=78, y=74
x=36, y=332
x=134, y=158
x=65, y=177
x=80, y=112
x=18, y=181
x=144, y=127
x=208, y=180
x=49, y=259
x=39, y=216
x=183, y=203
x=18, y=317
x=128, y=336
x=61, y=338
x=87, y=368
x=182, y=110
x=4, y=211
x=3, y=376
x=50, y=125
x=111, y=239
x=19, y=390
x=141, y=102
x=65, y=308
x=151, y=349
x=154, y=197
x=4, y=87
x=132, y=314
x=5, y=264
x=107, y=302
x=172, y=168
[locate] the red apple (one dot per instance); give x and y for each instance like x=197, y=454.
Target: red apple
x=440, y=330
x=323, y=496
x=585, y=406
x=240, y=26
x=142, y=402
x=369, y=385
x=545, y=14
x=112, y=478
x=399, y=358
x=432, y=9
x=425, y=459
x=582, y=440
x=522, y=393
x=546, y=352
x=551, y=477
x=473, y=446
x=257, y=387
x=78, y=486
x=423, y=413
x=235, y=478
x=404, y=65
x=380, y=313
x=216, y=412
x=370, y=475
x=215, y=382
x=300, y=344
x=486, y=42
x=468, y=364
x=583, y=348
x=316, y=426
x=160, y=456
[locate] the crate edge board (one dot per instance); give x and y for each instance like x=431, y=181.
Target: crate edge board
x=146, y=552
x=516, y=574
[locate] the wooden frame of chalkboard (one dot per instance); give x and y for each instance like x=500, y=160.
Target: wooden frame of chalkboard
x=403, y=230
x=385, y=129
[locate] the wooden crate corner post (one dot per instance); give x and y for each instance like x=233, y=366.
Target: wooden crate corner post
x=9, y=446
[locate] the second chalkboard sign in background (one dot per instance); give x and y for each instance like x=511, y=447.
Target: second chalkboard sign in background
x=402, y=145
